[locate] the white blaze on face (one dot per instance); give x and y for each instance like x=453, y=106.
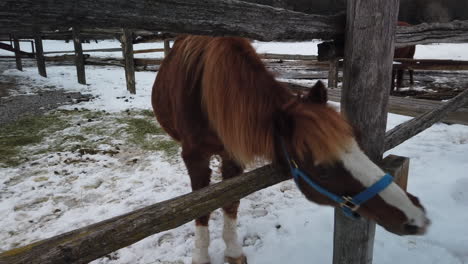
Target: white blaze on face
x=367, y=173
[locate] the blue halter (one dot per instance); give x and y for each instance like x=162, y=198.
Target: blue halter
x=348, y=204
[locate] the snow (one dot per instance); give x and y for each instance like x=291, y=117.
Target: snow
x=48, y=196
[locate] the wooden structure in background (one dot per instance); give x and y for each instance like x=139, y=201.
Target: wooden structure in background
x=79, y=58
x=17, y=48
x=40, y=56
x=127, y=52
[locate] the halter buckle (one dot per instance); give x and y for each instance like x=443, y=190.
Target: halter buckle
x=348, y=203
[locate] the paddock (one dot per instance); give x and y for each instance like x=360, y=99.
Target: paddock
x=403, y=132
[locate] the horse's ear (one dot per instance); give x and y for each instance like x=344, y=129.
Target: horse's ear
x=283, y=124
x=317, y=94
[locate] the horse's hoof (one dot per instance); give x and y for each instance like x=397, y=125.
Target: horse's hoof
x=239, y=260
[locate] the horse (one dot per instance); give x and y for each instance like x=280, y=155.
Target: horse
x=215, y=97
x=405, y=53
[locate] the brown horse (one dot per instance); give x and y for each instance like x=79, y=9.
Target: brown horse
x=215, y=96
x=405, y=53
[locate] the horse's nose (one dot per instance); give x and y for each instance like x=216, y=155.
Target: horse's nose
x=411, y=229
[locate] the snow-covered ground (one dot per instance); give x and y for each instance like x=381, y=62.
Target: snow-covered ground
x=55, y=192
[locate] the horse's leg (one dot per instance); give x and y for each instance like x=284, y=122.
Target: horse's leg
x=233, y=253
x=197, y=164
x=411, y=71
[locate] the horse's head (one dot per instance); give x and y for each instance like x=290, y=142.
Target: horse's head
x=320, y=147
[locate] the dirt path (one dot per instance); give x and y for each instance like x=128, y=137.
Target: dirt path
x=14, y=105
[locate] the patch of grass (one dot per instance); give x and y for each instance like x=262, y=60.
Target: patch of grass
x=145, y=132
x=26, y=131
x=169, y=147
x=147, y=113
x=85, y=131
x=139, y=128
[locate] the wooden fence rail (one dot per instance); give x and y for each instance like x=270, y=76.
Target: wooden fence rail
x=406, y=106
x=106, y=50
x=194, y=17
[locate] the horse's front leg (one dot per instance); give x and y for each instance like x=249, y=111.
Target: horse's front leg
x=233, y=253
x=197, y=164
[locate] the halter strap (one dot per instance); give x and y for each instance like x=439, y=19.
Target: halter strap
x=348, y=204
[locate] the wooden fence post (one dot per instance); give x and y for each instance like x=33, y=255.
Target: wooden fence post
x=167, y=47
x=40, y=55
x=79, y=58
x=16, y=46
x=369, y=44
x=127, y=51
x=398, y=167
x=333, y=73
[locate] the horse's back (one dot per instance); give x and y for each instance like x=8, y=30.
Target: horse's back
x=176, y=96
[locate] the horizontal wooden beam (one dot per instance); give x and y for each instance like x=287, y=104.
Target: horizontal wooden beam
x=208, y=17
x=405, y=106
x=429, y=64
x=451, y=32
x=12, y=49
x=409, y=129
x=105, y=50
x=271, y=56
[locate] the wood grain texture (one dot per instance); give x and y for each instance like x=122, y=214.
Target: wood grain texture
x=369, y=46
x=207, y=17
x=40, y=56
x=79, y=58
x=450, y=32
x=127, y=52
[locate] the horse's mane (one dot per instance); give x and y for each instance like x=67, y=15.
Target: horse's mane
x=240, y=98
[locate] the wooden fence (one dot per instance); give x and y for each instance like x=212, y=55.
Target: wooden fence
x=373, y=44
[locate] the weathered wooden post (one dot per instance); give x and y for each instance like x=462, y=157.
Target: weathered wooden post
x=333, y=73
x=40, y=55
x=369, y=44
x=167, y=47
x=79, y=58
x=127, y=51
x=16, y=46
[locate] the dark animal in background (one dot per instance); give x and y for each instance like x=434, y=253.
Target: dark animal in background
x=215, y=96
x=405, y=53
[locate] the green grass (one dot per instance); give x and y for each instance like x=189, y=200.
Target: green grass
x=26, y=131
x=34, y=135
x=145, y=133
